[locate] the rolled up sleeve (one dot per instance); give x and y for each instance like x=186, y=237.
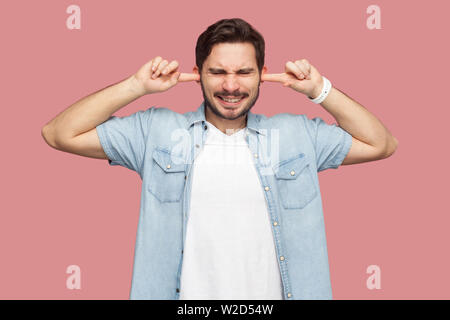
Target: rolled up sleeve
x=124, y=139
x=331, y=142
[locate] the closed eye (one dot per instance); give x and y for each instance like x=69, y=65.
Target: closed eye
x=238, y=73
x=243, y=71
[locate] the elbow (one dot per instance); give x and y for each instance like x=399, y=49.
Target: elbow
x=48, y=137
x=391, y=147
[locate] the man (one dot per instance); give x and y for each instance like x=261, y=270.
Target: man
x=230, y=205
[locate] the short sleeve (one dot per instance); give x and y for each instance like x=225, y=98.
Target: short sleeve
x=331, y=142
x=124, y=139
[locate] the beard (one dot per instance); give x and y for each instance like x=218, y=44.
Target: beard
x=209, y=104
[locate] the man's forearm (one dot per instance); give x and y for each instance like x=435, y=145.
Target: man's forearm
x=92, y=110
x=357, y=121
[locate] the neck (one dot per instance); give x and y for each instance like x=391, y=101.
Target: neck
x=226, y=126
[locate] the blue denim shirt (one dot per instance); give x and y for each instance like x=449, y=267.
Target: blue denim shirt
x=289, y=150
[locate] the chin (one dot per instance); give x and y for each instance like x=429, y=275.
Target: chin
x=231, y=113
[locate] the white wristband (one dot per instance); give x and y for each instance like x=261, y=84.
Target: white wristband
x=325, y=91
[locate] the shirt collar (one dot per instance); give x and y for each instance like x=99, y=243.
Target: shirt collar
x=199, y=116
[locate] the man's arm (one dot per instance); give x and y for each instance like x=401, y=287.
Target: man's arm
x=84, y=115
x=74, y=129
x=371, y=140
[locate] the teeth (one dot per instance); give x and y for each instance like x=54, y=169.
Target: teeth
x=231, y=100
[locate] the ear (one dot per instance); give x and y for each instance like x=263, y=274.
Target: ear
x=263, y=72
x=196, y=71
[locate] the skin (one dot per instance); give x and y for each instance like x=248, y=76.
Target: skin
x=371, y=140
x=230, y=70
x=222, y=75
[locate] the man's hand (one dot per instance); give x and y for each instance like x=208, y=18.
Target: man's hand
x=300, y=76
x=159, y=75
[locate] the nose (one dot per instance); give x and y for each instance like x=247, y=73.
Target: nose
x=230, y=83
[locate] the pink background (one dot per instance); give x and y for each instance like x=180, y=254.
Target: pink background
x=60, y=209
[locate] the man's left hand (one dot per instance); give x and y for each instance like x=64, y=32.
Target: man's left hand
x=300, y=76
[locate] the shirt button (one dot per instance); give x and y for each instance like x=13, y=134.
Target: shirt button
x=267, y=188
x=178, y=290
x=281, y=258
x=292, y=172
x=206, y=127
x=197, y=146
x=289, y=295
x=168, y=166
x=275, y=223
x=185, y=177
x=256, y=155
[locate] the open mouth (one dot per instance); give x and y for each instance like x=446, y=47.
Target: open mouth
x=230, y=100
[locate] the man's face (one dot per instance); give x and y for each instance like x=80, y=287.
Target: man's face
x=230, y=80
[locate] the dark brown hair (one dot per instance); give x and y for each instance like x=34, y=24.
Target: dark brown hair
x=231, y=31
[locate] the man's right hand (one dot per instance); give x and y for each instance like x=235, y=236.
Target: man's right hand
x=159, y=75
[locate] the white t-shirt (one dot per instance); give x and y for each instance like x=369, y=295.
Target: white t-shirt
x=229, y=251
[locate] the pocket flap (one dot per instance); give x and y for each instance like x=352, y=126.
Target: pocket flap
x=290, y=169
x=168, y=162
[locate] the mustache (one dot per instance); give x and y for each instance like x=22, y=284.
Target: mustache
x=228, y=94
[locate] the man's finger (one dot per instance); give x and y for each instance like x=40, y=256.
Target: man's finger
x=294, y=69
x=171, y=67
x=184, y=77
x=155, y=63
x=160, y=68
x=307, y=64
x=276, y=77
x=303, y=67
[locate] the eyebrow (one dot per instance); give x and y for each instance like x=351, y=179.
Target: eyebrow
x=219, y=70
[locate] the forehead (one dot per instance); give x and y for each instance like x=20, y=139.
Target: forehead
x=231, y=56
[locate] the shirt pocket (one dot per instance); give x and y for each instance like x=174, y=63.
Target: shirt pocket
x=167, y=177
x=295, y=182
